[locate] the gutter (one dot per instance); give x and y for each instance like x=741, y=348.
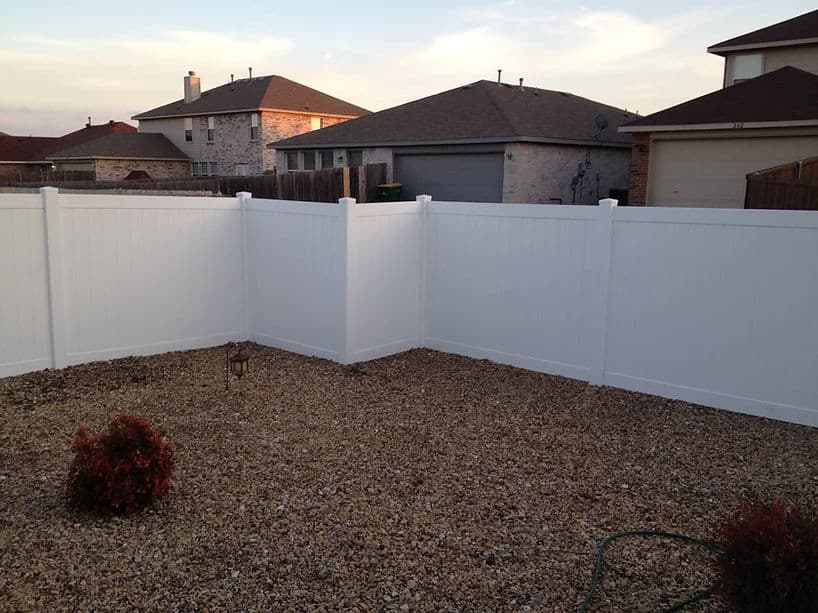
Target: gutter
x=461, y=141
x=720, y=50
x=737, y=125
x=181, y=113
x=116, y=157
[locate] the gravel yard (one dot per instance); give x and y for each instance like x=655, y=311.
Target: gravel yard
x=422, y=481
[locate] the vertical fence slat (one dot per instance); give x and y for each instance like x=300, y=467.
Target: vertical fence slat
x=54, y=260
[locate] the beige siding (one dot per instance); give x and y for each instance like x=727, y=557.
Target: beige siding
x=542, y=173
x=712, y=172
x=804, y=57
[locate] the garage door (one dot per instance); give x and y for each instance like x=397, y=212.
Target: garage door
x=713, y=172
x=469, y=177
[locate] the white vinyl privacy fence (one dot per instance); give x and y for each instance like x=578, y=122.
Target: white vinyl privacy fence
x=714, y=306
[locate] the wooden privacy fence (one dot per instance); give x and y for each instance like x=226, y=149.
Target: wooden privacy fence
x=326, y=185
x=791, y=186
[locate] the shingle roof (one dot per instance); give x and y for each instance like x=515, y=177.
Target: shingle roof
x=124, y=145
x=787, y=94
x=484, y=111
x=802, y=28
x=271, y=92
x=36, y=148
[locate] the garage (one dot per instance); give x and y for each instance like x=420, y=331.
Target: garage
x=712, y=172
x=469, y=177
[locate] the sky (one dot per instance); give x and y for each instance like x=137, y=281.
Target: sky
x=64, y=61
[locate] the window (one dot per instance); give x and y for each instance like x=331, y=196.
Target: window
x=316, y=123
x=188, y=129
x=202, y=169
x=211, y=129
x=214, y=169
x=292, y=160
x=355, y=157
x=326, y=159
x=253, y=126
x=309, y=160
x=242, y=170
x=747, y=66
x=195, y=169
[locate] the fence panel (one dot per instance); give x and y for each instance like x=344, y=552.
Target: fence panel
x=149, y=274
x=384, y=279
x=296, y=276
x=25, y=343
x=509, y=283
x=717, y=307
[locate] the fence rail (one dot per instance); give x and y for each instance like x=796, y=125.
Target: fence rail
x=711, y=306
x=326, y=185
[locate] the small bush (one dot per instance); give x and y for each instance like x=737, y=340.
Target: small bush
x=771, y=559
x=121, y=471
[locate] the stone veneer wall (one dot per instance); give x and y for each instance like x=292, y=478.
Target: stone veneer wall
x=232, y=144
x=116, y=170
x=640, y=164
x=542, y=173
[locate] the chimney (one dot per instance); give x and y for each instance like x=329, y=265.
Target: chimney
x=251, y=71
x=231, y=77
x=521, y=83
x=499, y=72
x=193, y=87
x=88, y=125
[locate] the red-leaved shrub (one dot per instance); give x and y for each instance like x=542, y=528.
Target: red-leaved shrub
x=770, y=560
x=122, y=470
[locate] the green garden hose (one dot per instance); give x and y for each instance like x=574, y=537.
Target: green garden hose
x=661, y=533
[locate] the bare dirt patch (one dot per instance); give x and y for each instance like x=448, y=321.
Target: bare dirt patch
x=423, y=481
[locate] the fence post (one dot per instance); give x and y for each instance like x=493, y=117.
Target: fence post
x=346, y=205
x=54, y=259
x=424, y=201
x=244, y=200
x=596, y=375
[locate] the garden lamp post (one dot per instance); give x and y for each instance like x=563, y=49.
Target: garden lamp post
x=235, y=365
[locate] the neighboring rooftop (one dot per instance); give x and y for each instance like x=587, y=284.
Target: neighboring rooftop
x=480, y=112
x=127, y=145
x=799, y=30
x=37, y=148
x=257, y=93
x=785, y=96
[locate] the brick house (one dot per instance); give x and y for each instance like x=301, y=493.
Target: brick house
x=700, y=152
x=223, y=130
x=114, y=157
x=24, y=158
x=482, y=142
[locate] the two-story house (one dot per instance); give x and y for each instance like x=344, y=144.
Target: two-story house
x=700, y=152
x=224, y=130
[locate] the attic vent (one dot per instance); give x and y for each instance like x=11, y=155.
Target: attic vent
x=467, y=87
x=564, y=94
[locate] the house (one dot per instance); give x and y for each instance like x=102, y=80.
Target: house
x=699, y=153
x=115, y=156
x=23, y=158
x=223, y=130
x=484, y=142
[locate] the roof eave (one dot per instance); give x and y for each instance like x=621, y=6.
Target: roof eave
x=144, y=116
x=24, y=162
x=117, y=157
x=724, y=49
x=742, y=125
x=460, y=141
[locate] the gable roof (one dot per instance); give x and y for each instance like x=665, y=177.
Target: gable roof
x=796, y=31
x=784, y=97
x=36, y=148
x=271, y=92
x=25, y=148
x=480, y=112
x=124, y=145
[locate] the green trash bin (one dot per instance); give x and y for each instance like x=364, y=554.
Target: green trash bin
x=389, y=192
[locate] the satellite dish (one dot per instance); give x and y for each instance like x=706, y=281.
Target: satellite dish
x=601, y=122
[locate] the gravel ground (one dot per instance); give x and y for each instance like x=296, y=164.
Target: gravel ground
x=423, y=481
